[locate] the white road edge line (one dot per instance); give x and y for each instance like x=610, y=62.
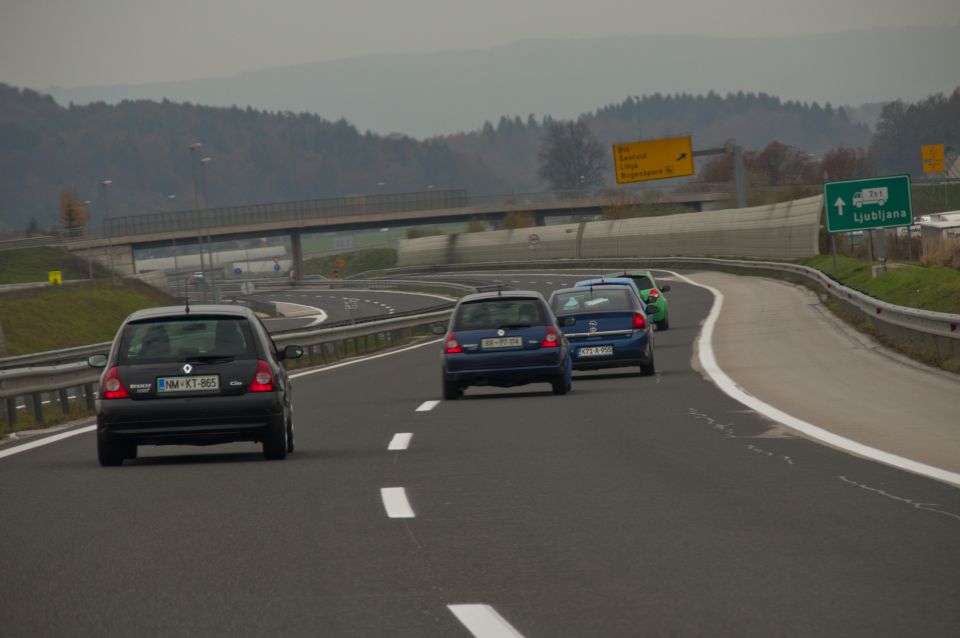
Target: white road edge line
x=395, y=502
x=45, y=441
x=426, y=406
x=361, y=360
x=709, y=363
x=400, y=441
x=483, y=621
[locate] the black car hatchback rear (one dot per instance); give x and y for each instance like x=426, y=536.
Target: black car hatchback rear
x=204, y=375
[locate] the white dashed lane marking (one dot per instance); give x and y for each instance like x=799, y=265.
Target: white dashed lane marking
x=426, y=406
x=483, y=621
x=400, y=441
x=396, y=503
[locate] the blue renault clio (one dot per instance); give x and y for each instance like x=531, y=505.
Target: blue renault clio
x=504, y=339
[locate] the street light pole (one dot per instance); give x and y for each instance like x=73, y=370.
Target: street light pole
x=196, y=200
x=106, y=225
x=206, y=204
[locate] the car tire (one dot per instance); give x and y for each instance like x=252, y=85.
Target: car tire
x=650, y=368
x=664, y=324
x=563, y=383
x=109, y=452
x=451, y=390
x=290, y=444
x=275, y=443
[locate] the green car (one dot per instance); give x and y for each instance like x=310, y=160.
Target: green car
x=652, y=295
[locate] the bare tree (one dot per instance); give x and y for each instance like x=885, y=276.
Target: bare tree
x=571, y=159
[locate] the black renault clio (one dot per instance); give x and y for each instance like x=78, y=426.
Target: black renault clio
x=197, y=375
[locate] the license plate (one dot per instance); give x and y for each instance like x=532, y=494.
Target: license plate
x=200, y=383
x=502, y=342
x=595, y=351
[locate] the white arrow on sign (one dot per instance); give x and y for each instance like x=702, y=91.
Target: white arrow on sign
x=840, y=204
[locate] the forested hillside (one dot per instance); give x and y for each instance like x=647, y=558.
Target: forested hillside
x=260, y=156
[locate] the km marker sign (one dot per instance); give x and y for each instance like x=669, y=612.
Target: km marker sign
x=862, y=204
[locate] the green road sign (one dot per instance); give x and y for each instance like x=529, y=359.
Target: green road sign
x=862, y=204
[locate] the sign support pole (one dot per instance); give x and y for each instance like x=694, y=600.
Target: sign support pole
x=739, y=173
x=833, y=249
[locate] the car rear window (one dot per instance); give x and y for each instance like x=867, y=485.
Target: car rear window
x=643, y=282
x=588, y=300
x=497, y=313
x=186, y=339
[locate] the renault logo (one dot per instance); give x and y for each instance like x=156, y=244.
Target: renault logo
x=187, y=368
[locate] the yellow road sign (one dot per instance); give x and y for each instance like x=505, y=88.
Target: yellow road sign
x=55, y=277
x=932, y=158
x=653, y=159
x=340, y=263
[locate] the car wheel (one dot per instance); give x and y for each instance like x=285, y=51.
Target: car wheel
x=451, y=390
x=109, y=452
x=664, y=324
x=564, y=383
x=275, y=443
x=648, y=369
x=290, y=434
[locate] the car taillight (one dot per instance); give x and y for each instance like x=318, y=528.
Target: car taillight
x=654, y=293
x=639, y=321
x=452, y=346
x=112, y=388
x=551, y=340
x=263, y=379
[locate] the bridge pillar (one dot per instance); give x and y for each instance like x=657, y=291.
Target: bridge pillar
x=297, y=250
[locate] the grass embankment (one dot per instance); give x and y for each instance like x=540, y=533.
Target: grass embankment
x=42, y=319
x=27, y=265
x=925, y=287
x=356, y=262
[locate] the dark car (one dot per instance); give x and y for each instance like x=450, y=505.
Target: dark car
x=607, y=326
x=198, y=375
x=504, y=339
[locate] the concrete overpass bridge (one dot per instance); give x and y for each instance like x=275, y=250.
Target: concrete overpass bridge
x=123, y=235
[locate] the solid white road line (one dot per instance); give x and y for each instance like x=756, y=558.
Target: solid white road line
x=400, y=441
x=426, y=406
x=709, y=363
x=46, y=441
x=483, y=621
x=370, y=358
x=395, y=502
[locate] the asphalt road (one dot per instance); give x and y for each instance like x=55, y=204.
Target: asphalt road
x=634, y=506
x=304, y=305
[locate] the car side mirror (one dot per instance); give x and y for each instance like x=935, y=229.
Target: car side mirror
x=437, y=330
x=566, y=322
x=665, y=288
x=97, y=361
x=292, y=352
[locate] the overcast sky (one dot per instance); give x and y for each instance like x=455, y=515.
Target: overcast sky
x=65, y=43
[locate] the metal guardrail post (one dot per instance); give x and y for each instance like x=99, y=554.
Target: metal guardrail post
x=11, y=404
x=88, y=396
x=36, y=400
x=64, y=397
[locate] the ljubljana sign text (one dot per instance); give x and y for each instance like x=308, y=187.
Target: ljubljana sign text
x=862, y=204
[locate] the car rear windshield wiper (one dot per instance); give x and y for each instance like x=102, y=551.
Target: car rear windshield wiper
x=210, y=359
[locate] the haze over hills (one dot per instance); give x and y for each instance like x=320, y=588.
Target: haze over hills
x=443, y=93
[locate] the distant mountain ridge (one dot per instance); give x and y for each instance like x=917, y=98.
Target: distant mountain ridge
x=425, y=95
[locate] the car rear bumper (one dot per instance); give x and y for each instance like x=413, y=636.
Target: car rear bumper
x=191, y=420
x=506, y=377
x=626, y=352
